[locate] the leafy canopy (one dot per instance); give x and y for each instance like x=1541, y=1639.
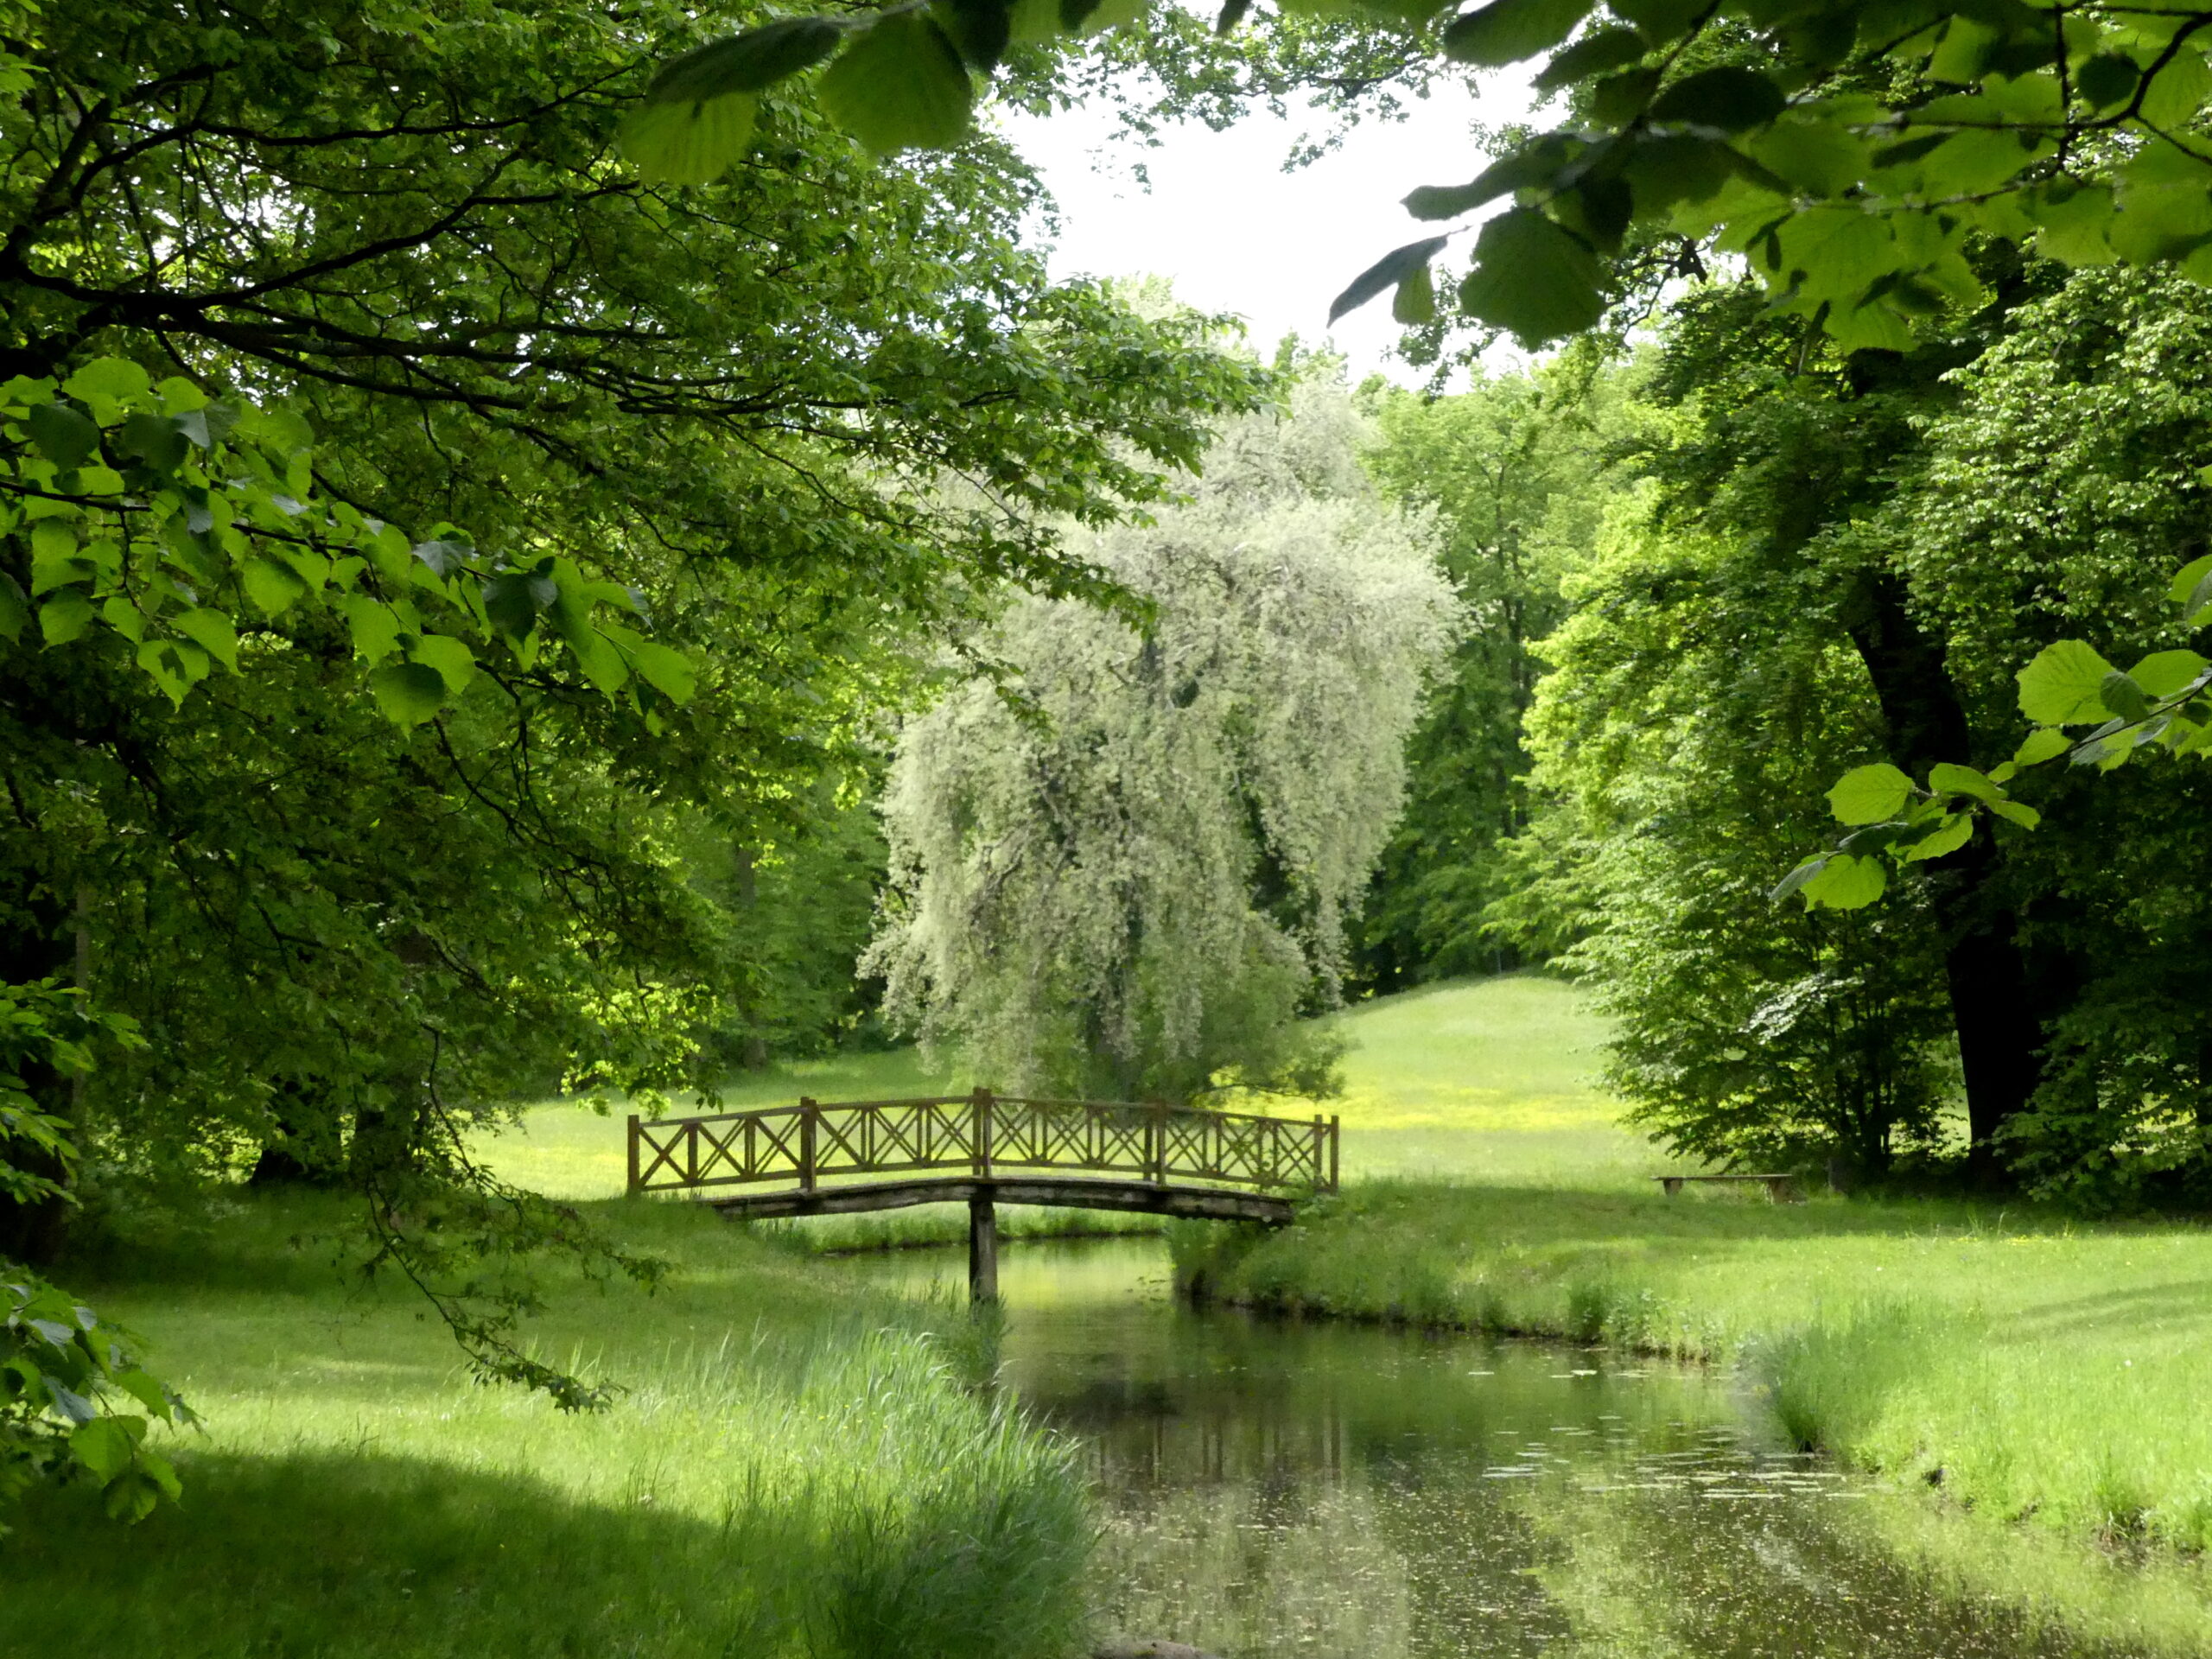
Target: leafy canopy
x=1851, y=153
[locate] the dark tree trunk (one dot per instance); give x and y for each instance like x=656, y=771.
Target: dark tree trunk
x=1999, y=1023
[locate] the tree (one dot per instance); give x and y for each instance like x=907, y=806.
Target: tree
x=1515, y=470
x=417, y=529
x=1694, y=698
x=1126, y=866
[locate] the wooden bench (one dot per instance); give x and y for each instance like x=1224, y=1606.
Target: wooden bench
x=1781, y=1189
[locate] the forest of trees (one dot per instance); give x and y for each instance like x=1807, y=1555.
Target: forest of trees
x=518, y=564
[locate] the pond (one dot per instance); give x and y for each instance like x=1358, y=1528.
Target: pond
x=1274, y=1489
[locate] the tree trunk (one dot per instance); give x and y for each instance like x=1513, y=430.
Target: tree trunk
x=1999, y=1025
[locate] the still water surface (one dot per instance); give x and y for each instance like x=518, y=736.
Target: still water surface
x=1276, y=1489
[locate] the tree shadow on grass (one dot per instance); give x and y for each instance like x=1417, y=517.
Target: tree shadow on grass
x=325, y=1556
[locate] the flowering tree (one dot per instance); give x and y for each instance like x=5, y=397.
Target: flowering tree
x=1124, y=865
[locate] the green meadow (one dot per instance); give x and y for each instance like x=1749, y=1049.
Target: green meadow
x=793, y=1468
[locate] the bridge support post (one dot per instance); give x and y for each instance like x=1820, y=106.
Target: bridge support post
x=982, y=1250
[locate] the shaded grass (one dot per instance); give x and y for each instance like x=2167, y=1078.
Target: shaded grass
x=793, y=1469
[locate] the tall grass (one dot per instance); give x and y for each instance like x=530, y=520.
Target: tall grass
x=792, y=1471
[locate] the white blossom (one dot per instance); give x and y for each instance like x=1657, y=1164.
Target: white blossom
x=1133, y=874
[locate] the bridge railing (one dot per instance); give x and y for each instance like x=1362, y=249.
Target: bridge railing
x=982, y=1133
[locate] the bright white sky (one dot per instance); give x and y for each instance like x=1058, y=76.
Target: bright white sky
x=1236, y=233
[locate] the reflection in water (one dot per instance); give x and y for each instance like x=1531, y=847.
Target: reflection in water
x=1277, y=1489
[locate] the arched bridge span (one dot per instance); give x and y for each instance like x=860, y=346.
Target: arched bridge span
x=841, y=1157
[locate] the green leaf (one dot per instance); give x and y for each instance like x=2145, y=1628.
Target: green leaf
x=2062, y=686
x=2105, y=80
x=2178, y=90
x=1847, y=883
x=689, y=144
x=2123, y=697
x=145, y=1388
x=669, y=672
x=176, y=666
x=63, y=436
x=1797, y=878
x=1815, y=156
x=130, y=1498
x=981, y=29
x=117, y=378
x=374, y=625
x=1536, y=165
x=2071, y=222
x=901, y=84
x=515, y=599
x=1415, y=301
x=1947, y=837
x=105, y=1446
x=2013, y=812
x=2163, y=674
x=1594, y=54
x=1870, y=794
x=1507, y=31
x=1533, y=278
x=1392, y=269
x=65, y=617
x=452, y=658
x=407, y=693
x=1836, y=253
x=1972, y=163
x=273, y=588
x=153, y=439
x=2044, y=743
x=212, y=632
x=1659, y=21
x=1617, y=100
x=1733, y=100
x=2192, y=587
x=1947, y=779
x=749, y=62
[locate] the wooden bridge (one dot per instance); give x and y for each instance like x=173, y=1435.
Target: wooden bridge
x=810, y=1160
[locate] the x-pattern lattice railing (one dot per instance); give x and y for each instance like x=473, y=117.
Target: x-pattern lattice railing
x=981, y=1134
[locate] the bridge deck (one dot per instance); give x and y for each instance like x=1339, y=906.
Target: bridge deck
x=1144, y=1198
x=985, y=1150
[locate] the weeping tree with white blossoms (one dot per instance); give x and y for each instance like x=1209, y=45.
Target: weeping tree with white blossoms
x=1123, y=869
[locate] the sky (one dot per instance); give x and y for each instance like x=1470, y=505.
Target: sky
x=1236, y=233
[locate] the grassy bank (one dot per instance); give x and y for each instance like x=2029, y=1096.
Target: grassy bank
x=794, y=1470
x=2031, y=1369
x=2032, y=1366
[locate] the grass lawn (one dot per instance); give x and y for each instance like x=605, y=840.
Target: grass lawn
x=1485, y=1080
x=795, y=1469
x=2029, y=1366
